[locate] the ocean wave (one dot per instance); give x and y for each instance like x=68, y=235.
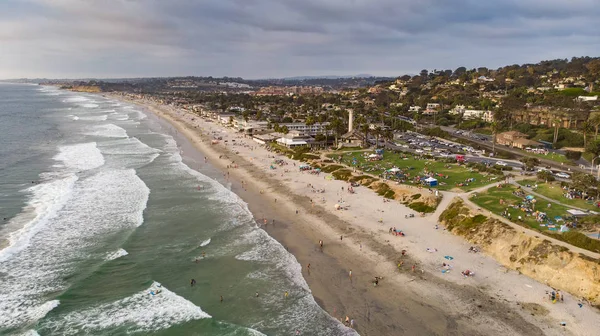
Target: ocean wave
x=107, y=131
x=89, y=105
x=142, y=312
x=95, y=118
x=97, y=208
x=116, y=254
x=46, y=200
x=76, y=99
x=84, y=156
x=206, y=242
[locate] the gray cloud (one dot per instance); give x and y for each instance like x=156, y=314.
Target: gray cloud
x=265, y=38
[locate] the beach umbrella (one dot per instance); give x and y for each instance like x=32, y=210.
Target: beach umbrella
x=337, y=206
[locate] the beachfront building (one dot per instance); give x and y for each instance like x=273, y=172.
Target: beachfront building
x=251, y=126
x=295, y=139
x=314, y=129
x=263, y=139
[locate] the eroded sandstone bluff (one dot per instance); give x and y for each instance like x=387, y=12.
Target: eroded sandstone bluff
x=536, y=257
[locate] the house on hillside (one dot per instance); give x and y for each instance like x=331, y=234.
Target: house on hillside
x=432, y=108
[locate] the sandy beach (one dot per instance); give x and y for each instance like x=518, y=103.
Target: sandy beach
x=418, y=299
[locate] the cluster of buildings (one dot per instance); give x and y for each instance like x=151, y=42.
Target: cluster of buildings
x=288, y=90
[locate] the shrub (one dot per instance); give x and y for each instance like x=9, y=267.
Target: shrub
x=342, y=174
x=578, y=239
x=331, y=168
x=415, y=196
x=421, y=207
x=573, y=155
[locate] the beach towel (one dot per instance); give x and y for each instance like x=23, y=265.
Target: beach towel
x=449, y=257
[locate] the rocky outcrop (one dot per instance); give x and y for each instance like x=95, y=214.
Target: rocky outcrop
x=536, y=257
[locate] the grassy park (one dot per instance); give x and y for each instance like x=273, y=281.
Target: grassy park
x=498, y=199
x=452, y=176
x=553, y=191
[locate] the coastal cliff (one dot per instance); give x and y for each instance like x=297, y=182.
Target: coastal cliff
x=535, y=257
x=83, y=88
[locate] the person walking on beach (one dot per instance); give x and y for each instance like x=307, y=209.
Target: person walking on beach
x=321, y=245
x=350, y=274
x=308, y=268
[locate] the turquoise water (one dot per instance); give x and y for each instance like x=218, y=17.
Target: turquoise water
x=114, y=226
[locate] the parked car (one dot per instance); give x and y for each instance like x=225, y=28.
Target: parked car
x=501, y=163
x=562, y=175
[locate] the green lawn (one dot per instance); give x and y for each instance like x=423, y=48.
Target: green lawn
x=551, y=156
x=552, y=190
x=490, y=200
x=415, y=167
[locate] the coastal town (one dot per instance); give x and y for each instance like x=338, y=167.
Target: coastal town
x=503, y=160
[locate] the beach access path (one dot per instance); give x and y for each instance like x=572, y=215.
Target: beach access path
x=490, y=303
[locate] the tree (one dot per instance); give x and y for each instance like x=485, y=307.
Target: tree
x=460, y=71
x=284, y=130
x=495, y=127
x=556, y=122
x=594, y=72
x=595, y=120
x=530, y=163
x=377, y=131
x=583, y=182
x=545, y=175
x=586, y=127
x=593, y=147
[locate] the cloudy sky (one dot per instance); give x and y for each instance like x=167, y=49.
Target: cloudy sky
x=278, y=38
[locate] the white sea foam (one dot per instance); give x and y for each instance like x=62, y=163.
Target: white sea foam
x=74, y=117
x=30, y=333
x=142, y=312
x=108, y=131
x=76, y=99
x=206, y=242
x=89, y=105
x=116, y=254
x=83, y=156
x=94, y=118
x=47, y=199
x=98, y=207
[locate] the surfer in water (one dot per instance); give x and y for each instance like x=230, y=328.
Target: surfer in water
x=192, y=282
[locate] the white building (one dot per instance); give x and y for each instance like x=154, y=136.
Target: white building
x=487, y=116
x=414, y=109
x=586, y=98
x=314, y=129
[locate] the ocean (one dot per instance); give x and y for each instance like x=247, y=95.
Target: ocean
x=103, y=225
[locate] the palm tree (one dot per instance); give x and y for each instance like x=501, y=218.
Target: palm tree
x=365, y=129
x=586, y=127
x=556, y=123
x=377, y=131
x=495, y=127
x=595, y=120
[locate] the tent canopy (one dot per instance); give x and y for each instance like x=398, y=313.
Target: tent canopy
x=394, y=170
x=576, y=212
x=430, y=179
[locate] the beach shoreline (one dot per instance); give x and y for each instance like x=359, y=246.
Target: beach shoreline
x=405, y=302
